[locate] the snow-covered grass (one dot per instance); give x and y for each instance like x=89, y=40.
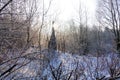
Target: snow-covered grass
x=92, y=67
x=85, y=67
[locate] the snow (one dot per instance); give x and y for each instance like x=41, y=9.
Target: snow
x=89, y=66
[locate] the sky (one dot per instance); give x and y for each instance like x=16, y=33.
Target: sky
x=68, y=9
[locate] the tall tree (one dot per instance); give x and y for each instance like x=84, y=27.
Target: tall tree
x=52, y=45
x=109, y=10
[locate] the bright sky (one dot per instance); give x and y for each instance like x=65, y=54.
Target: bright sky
x=68, y=8
x=65, y=10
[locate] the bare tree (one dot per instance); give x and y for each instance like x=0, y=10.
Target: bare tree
x=44, y=13
x=110, y=16
x=14, y=20
x=81, y=31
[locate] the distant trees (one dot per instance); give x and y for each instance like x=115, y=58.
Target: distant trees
x=85, y=41
x=80, y=41
x=44, y=12
x=80, y=30
x=109, y=10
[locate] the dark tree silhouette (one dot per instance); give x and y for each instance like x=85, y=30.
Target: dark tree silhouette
x=52, y=45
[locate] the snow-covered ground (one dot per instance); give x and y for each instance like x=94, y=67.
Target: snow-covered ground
x=85, y=67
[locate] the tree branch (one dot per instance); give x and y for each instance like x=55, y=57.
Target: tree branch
x=5, y=5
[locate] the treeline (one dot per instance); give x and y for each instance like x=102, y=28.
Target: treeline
x=83, y=40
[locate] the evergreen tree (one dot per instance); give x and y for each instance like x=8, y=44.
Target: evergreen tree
x=52, y=42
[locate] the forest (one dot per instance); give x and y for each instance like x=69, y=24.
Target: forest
x=41, y=41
